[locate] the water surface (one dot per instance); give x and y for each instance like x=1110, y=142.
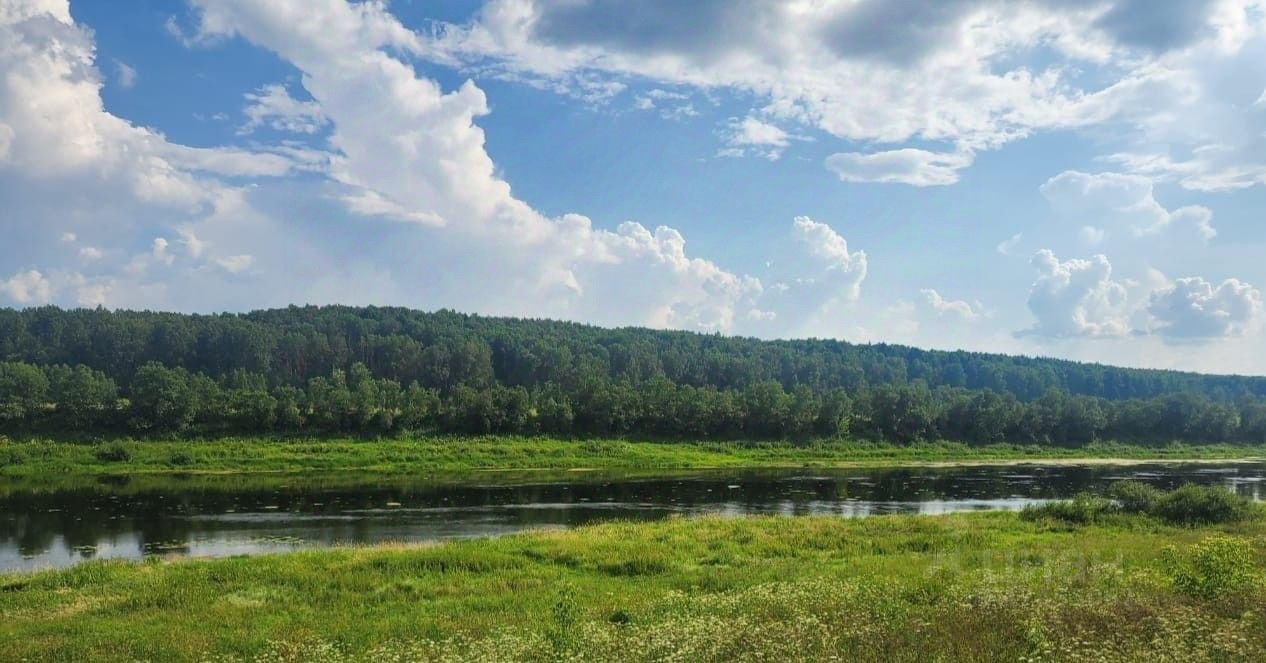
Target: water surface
x=48, y=524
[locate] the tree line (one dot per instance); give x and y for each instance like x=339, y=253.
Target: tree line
x=444, y=349
x=161, y=400
x=346, y=369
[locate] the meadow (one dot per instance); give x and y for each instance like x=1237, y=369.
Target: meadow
x=37, y=457
x=1035, y=586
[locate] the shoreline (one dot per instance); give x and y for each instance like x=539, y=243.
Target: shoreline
x=492, y=455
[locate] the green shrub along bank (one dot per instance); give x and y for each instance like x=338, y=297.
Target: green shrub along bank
x=1188, y=505
x=404, y=454
x=963, y=587
x=339, y=370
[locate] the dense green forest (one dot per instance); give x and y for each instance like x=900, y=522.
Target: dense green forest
x=383, y=370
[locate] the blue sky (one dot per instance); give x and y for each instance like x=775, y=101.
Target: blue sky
x=1083, y=179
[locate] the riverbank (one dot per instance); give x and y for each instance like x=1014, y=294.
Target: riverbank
x=988, y=586
x=36, y=458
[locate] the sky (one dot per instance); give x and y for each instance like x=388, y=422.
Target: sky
x=1081, y=178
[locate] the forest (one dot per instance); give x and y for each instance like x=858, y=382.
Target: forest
x=378, y=371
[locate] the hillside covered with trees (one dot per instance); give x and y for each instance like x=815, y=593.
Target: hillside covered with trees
x=384, y=370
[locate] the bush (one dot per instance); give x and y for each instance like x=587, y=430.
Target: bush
x=114, y=453
x=1213, y=568
x=1201, y=505
x=1134, y=497
x=180, y=459
x=1188, y=505
x=1083, y=509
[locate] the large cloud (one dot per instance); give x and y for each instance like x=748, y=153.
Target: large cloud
x=426, y=219
x=69, y=166
x=1077, y=298
x=1122, y=200
x=956, y=74
x=1194, y=308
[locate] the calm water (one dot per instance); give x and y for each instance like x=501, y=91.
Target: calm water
x=43, y=525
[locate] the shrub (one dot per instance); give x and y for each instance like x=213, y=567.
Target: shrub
x=180, y=459
x=1198, y=505
x=1213, y=568
x=1188, y=505
x=1083, y=509
x=114, y=453
x=1134, y=497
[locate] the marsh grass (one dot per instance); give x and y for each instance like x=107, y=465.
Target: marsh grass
x=988, y=586
x=42, y=458
x=1189, y=504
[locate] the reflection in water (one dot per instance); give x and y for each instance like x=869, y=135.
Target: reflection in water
x=209, y=516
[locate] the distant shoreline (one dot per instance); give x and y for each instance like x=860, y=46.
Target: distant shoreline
x=489, y=454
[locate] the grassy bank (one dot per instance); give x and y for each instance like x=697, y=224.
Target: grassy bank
x=989, y=586
x=35, y=458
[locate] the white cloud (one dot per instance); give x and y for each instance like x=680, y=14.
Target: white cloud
x=957, y=307
x=847, y=269
x=1077, y=298
x=68, y=237
x=905, y=166
x=955, y=73
x=406, y=149
x=1121, y=199
x=29, y=287
x=272, y=106
x=125, y=75
x=90, y=253
x=1193, y=308
x=400, y=146
x=753, y=136
x=1007, y=246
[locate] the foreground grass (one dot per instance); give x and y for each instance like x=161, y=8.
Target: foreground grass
x=42, y=458
x=990, y=586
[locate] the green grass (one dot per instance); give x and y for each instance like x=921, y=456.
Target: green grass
x=42, y=458
x=964, y=587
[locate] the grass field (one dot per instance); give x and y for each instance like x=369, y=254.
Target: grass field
x=990, y=586
x=43, y=458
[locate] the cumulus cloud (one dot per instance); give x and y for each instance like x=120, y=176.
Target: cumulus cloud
x=905, y=166
x=171, y=234
x=846, y=269
x=1122, y=199
x=1077, y=297
x=28, y=287
x=1193, y=308
x=956, y=307
x=409, y=150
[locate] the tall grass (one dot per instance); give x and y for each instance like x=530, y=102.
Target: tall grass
x=902, y=588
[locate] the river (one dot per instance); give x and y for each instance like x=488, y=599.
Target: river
x=55, y=523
